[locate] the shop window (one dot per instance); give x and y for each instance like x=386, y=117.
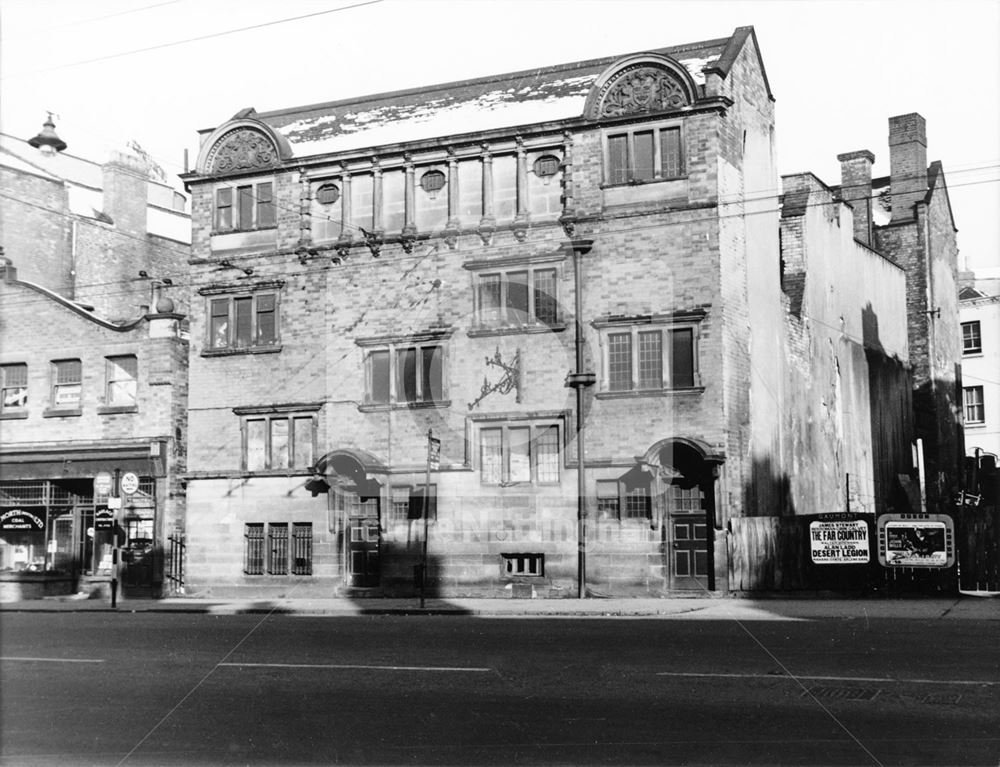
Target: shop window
x=276, y=442
x=972, y=339
x=245, y=208
x=13, y=389
x=973, y=398
x=121, y=376
x=517, y=297
x=519, y=452
x=67, y=384
x=243, y=322
x=641, y=358
x=404, y=374
x=643, y=154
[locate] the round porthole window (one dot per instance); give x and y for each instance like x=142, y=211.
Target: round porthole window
x=328, y=194
x=432, y=181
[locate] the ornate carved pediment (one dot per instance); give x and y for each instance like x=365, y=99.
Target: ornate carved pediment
x=242, y=149
x=641, y=88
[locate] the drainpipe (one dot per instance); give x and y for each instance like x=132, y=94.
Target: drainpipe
x=580, y=380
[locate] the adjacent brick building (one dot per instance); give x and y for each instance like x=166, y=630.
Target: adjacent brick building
x=458, y=261
x=93, y=367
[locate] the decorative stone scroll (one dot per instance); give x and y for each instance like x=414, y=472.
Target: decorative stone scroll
x=243, y=149
x=641, y=88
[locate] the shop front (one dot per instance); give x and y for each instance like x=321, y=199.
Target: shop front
x=58, y=527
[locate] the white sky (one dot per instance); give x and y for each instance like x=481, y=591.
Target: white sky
x=838, y=69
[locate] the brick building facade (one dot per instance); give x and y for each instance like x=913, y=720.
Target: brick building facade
x=370, y=271
x=93, y=368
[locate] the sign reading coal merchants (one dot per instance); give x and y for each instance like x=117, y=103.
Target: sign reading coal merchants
x=840, y=542
x=916, y=540
x=23, y=520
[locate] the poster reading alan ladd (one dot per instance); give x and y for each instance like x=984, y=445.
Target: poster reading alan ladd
x=839, y=542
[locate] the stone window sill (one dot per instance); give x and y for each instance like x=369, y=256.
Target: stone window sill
x=649, y=393
x=50, y=412
x=383, y=407
x=236, y=352
x=15, y=416
x=481, y=331
x=115, y=409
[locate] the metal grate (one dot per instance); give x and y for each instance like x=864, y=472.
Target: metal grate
x=253, y=559
x=302, y=534
x=277, y=540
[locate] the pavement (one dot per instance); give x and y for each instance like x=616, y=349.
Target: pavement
x=985, y=606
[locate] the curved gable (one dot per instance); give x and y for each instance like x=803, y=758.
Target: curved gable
x=242, y=145
x=640, y=84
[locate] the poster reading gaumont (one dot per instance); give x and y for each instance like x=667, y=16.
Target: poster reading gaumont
x=839, y=542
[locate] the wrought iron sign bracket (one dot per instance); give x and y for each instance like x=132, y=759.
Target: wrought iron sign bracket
x=511, y=379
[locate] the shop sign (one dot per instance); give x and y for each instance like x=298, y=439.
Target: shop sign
x=916, y=540
x=129, y=483
x=102, y=483
x=23, y=520
x=839, y=542
x=104, y=518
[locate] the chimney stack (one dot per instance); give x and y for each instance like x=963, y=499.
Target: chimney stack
x=907, y=164
x=856, y=190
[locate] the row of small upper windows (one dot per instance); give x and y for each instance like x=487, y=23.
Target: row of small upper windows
x=467, y=194
x=65, y=387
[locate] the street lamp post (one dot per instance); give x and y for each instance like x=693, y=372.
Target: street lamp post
x=580, y=380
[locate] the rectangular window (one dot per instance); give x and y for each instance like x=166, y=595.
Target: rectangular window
x=362, y=202
x=302, y=540
x=253, y=548
x=13, y=387
x=643, y=359
x=67, y=384
x=276, y=442
x=974, y=411
x=410, y=374
x=651, y=360
x=607, y=499
x=648, y=154
x=638, y=503
x=379, y=372
x=243, y=322
x=620, y=362
x=277, y=549
x=517, y=453
x=122, y=373
x=253, y=209
x=491, y=456
x=399, y=511
x=521, y=297
x=504, y=188
x=415, y=505
x=393, y=201
x=972, y=340
x=470, y=192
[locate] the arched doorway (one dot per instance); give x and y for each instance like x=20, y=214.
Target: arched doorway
x=354, y=505
x=684, y=503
